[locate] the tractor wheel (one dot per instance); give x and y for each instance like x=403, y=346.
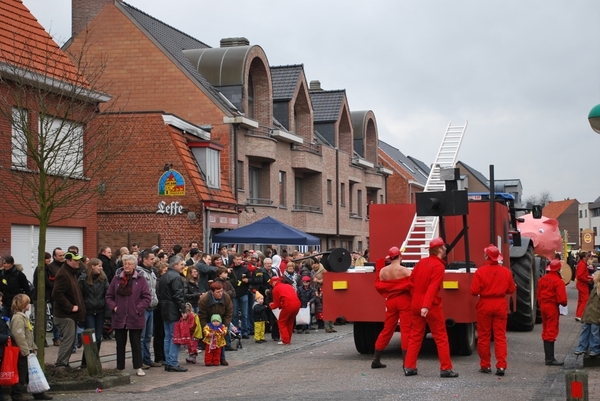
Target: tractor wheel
x=526, y=276
x=461, y=338
x=365, y=335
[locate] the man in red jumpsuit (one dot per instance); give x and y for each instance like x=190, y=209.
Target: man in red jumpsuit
x=492, y=282
x=584, y=279
x=286, y=299
x=551, y=293
x=393, y=283
x=426, y=307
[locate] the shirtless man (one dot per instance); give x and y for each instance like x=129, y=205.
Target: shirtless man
x=393, y=283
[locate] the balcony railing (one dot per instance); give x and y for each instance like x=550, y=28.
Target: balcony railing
x=306, y=208
x=260, y=201
x=308, y=147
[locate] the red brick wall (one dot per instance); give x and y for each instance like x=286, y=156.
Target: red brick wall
x=130, y=202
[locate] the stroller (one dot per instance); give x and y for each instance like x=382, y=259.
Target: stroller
x=235, y=334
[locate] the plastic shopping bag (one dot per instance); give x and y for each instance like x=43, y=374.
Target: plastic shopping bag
x=276, y=312
x=303, y=316
x=37, y=380
x=563, y=310
x=9, y=375
x=181, y=332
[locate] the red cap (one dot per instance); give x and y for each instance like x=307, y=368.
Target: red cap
x=436, y=242
x=554, y=266
x=275, y=279
x=393, y=252
x=493, y=253
x=305, y=278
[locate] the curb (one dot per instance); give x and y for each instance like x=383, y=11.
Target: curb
x=101, y=382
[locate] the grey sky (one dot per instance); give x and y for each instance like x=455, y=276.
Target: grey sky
x=524, y=74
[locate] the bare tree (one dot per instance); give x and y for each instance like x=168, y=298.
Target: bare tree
x=542, y=199
x=60, y=142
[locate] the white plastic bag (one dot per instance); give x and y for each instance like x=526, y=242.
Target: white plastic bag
x=563, y=310
x=303, y=316
x=276, y=312
x=37, y=380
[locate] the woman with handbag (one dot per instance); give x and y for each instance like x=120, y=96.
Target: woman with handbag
x=128, y=297
x=22, y=331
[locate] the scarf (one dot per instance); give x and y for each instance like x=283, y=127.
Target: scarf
x=125, y=285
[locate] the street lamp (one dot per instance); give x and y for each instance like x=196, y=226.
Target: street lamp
x=594, y=118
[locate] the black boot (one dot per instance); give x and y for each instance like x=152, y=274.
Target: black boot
x=549, y=352
x=376, y=364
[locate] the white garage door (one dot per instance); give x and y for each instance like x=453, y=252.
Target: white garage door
x=24, y=243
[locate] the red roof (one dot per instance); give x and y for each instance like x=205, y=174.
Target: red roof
x=222, y=195
x=553, y=210
x=24, y=43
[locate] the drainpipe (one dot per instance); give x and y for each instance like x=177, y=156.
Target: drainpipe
x=337, y=192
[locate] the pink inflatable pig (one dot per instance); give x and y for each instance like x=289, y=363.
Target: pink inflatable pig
x=544, y=233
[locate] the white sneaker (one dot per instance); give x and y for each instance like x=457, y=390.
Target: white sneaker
x=280, y=343
x=140, y=372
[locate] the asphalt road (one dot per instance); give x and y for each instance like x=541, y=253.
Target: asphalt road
x=329, y=368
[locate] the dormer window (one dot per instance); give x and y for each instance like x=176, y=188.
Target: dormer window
x=208, y=156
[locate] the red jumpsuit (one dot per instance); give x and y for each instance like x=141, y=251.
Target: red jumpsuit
x=285, y=298
x=551, y=293
x=583, y=289
x=492, y=283
x=427, y=278
x=397, y=306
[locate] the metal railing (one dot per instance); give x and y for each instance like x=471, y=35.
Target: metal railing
x=259, y=201
x=306, y=208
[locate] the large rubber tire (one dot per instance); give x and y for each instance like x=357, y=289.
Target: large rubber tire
x=462, y=339
x=365, y=335
x=526, y=276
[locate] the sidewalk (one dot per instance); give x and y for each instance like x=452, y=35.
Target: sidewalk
x=158, y=377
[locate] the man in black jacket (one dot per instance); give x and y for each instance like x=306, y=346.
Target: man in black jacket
x=240, y=302
x=108, y=265
x=172, y=301
x=12, y=282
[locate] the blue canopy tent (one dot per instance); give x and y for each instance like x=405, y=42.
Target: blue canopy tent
x=266, y=231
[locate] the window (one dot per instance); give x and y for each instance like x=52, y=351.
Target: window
x=298, y=191
x=359, y=202
x=20, y=123
x=61, y=146
x=282, y=193
x=254, y=183
x=239, y=175
x=329, y=202
x=581, y=214
x=209, y=160
x=585, y=213
x=343, y=194
x=250, y=111
x=595, y=232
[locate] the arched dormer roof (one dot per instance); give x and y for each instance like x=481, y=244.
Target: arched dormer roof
x=221, y=66
x=364, y=127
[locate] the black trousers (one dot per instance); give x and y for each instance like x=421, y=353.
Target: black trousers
x=135, y=339
x=21, y=387
x=158, y=342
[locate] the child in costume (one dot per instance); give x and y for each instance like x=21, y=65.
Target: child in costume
x=261, y=317
x=214, y=338
x=195, y=333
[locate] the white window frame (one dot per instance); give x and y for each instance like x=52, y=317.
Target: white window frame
x=19, y=139
x=209, y=160
x=64, y=156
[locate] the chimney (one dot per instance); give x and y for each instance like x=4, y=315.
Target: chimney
x=83, y=11
x=233, y=42
x=315, y=86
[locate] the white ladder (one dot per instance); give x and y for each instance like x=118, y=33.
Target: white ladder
x=424, y=228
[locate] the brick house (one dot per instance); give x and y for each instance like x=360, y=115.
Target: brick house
x=35, y=77
x=284, y=149
x=409, y=175
x=567, y=214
